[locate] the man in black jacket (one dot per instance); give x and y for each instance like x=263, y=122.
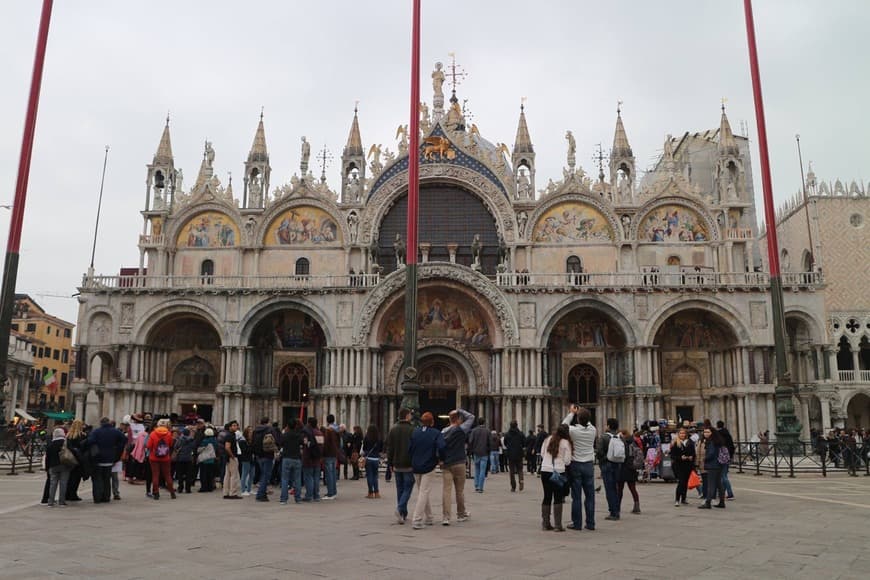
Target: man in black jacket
x=291, y=462
x=106, y=445
x=514, y=442
x=399, y=457
x=479, y=446
x=264, y=446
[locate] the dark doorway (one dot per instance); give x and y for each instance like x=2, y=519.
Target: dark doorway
x=439, y=402
x=685, y=413
x=197, y=410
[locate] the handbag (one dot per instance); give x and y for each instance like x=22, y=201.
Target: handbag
x=67, y=457
x=205, y=453
x=558, y=479
x=694, y=480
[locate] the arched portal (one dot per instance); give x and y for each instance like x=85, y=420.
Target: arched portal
x=184, y=351
x=583, y=386
x=858, y=412
x=450, y=217
x=441, y=379
x=287, y=359
x=696, y=351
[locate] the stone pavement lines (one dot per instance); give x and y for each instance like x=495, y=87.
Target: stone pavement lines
x=354, y=537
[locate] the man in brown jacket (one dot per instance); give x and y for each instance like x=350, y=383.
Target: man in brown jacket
x=331, y=445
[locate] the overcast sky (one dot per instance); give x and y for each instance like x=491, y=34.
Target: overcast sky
x=114, y=69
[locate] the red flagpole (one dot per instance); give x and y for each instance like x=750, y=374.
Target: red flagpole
x=410, y=386
x=787, y=428
x=414, y=141
x=10, y=272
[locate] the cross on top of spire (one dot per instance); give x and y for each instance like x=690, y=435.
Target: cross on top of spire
x=456, y=73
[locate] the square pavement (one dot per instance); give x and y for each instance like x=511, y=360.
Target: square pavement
x=807, y=527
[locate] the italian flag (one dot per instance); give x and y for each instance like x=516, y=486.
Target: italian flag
x=50, y=381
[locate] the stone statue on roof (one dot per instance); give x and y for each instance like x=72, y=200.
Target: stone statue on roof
x=306, y=154
x=438, y=80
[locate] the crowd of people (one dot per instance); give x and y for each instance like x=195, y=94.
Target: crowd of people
x=302, y=458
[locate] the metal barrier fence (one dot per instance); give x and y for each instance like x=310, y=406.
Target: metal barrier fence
x=803, y=459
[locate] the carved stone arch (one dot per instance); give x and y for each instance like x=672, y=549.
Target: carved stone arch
x=255, y=315
x=457, y=352
x=579, y=197
x=385, y=196
x=474, y=281
x=100, y=327
x=700, y=209
x=276, y=209
x=151, y=319
x=179, y=220
x=726, y=312
x=599, y=303
x=815, y=326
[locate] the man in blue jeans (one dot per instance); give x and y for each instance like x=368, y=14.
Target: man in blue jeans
x=729, y=443
x=399, y=457
x=609, y=469
x=265, y=446
x=291, y=462
x=479, y=445
x=331, y=445
x=582, y=469
x=312, y=452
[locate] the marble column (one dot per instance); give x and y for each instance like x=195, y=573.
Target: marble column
x=753, y=416
x=805, y=418
x=771, y=416
x=826, y=413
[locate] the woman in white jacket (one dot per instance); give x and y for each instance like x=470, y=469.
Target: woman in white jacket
x=555, y=457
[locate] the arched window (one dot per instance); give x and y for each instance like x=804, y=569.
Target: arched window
x=574, y=265
x=294, y=384
x=303, y=267
x=206, y=270
x=583, y=387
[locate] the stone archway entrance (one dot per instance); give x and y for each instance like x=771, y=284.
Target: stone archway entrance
x=858, y=412
x=441, y=380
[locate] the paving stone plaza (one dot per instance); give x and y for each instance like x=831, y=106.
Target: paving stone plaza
x=805, y=527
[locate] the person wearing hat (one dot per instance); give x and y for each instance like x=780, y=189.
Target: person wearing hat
x=206, y=460
x=58, y=472
x=160, y=456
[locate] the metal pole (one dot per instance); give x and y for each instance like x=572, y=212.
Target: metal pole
x=788, y=428
x=99, y=206
x=806, y=205
x=10, y=271
x=410, y=386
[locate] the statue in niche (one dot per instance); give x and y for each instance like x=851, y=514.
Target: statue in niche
x=476, y=247
x=522, y=218
x=524, y=185
x=623, y=185
x=353, y=225
x=353, y=188
x=255, y=190
x=503, y=254
x=626, y=225
x=250, y=225
x=399, y=247
x=374, y=251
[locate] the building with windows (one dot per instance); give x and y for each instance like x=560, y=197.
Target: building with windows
x=19, y=370
x=51, y=346
x=640, y=299
x=826, y=231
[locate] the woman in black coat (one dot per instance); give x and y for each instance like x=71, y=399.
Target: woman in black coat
x=683, y=462
x=75, y=441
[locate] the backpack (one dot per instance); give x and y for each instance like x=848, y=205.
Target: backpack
x=724, y=457
x=637, y=459
x=269, y=445
x=162, y=449
x=313, y=447
x=615, y=449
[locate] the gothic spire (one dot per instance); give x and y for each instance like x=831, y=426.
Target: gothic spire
x=727, y=142
x=621, y=148
x=164, y=149
x=258, y=148
x=523, y=143
x=354, y=141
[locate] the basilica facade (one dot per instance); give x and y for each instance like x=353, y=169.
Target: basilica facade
x=637, y=298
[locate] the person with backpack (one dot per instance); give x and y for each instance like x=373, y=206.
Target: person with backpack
x=57, y=469
x=582, y=467
x=185, y=446
x=610, y=451
x=628, y=474
x=160, y=457
x=728, y=441
x=264, y=446
x=715, y=456
x=312, y=453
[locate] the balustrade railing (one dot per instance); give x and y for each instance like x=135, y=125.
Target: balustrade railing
x=208, y=282
x=860, y=376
